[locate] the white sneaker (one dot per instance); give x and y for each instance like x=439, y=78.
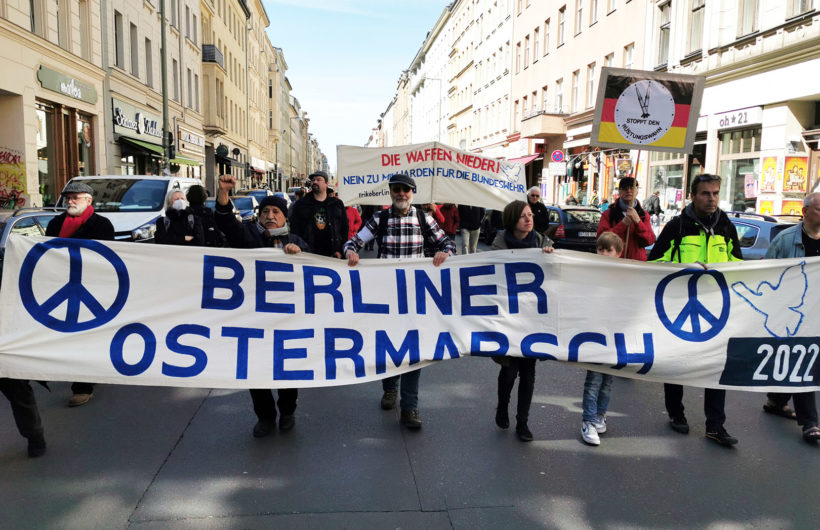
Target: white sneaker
x=600, y=423
x=589, y=434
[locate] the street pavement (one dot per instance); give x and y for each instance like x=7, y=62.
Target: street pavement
x=160, y=457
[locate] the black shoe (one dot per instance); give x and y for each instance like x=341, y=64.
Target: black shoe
x=411, y=419
x=523, y=432
x=286, y=422
x=263, y=428
x=502, y=419
x=389, y=399
x=679, y=424
x=721, y=436
x=36, y=447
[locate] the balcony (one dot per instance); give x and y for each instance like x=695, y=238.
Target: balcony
x=544, y=123
x=212, y=54
x=213, y=83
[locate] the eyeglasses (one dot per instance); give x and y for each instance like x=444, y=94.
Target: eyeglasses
x=395, y=188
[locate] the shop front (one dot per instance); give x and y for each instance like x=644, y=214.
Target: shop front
x=138, y=138
x=190, y=153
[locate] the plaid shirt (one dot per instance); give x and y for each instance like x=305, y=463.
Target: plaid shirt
x=403, y=238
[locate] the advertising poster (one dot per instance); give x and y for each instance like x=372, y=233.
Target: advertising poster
x=768, y=174
x=750, y=186
x=766, y=207
x=792, y=207
x=646, y=110
x=796, y=174
x=12, y=179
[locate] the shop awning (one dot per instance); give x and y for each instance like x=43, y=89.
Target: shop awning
x=524, y=159
x=181, y=160
x=145, y=146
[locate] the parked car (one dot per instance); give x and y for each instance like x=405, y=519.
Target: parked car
x=286, y=197
x=573, y=227
x=246, y=204
x=133, y=203
x=258, y=193
x=756, y=231
x=211, y=203
x=24, y=221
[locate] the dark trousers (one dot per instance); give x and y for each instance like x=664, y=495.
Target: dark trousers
x=82, y=388
x=23, y=406
x=805, y=406
x=714, y=402
x=524, y=369
x=265, y=407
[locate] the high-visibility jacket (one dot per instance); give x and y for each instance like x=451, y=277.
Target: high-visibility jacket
x=684, y=239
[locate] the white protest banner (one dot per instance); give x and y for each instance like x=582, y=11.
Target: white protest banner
x=442, y=173
x=113, y=312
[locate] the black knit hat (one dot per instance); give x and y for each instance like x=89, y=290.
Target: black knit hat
x=77, y=187
x=197, y=195
x=274, y=200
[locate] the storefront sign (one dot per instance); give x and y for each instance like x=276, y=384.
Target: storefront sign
x=736, y=118
x=190, y=141
x=135, y=123
x=258, y=164
x=66, y=85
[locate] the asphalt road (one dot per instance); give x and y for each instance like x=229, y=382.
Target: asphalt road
x=145, y=457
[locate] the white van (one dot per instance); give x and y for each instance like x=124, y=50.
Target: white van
x=133, y=203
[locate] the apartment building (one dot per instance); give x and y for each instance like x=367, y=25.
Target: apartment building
x=427, y=82
x=257, y=95
x=460, y=74
x=51, y=98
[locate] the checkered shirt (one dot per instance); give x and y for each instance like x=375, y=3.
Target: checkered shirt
x=403, y=238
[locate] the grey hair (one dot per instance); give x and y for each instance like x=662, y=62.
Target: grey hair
x=534, y=188
x=811, y=197
x=171, y=194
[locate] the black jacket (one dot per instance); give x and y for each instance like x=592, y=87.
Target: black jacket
x=250, y=234
x=305, y=223
x=540, y=216
x=470, y=217
x=176, y=224
x=96, y=227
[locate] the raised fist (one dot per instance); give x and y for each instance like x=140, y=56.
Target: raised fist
x=226, y=182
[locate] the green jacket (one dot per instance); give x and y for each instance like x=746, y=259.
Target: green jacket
x=685, y=239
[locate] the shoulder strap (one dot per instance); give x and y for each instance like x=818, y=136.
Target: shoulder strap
x=677, y=242
x=384, y=217
x=426, y=231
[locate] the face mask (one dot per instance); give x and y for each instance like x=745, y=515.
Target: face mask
x=179, y=204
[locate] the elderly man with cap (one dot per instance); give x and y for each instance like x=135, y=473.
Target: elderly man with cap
x=401, y=232
x=629, y=221
x=540, y=213
x=320, y=219
x=270, y=230
x=79, y=221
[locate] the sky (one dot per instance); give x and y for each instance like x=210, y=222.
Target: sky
x=345, y=57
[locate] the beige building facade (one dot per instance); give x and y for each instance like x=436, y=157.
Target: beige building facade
x=460, y=75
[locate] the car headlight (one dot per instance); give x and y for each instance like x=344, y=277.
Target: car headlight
x=145, y=232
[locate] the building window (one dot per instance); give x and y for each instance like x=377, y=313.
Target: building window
x=576, y=82
x=579, y=15
x=190, y=79
x=629, y=52
x=590, y=85
x=63, y=24
x=665, y=19
x=135, y=52
x=187, y=22
x=796, y=7
x=175, y=69
x=610, y=6
x=119, y=43
x=196, y=92
x=517, y=57
x=194, y=29
x=85, y=147
x=535, y=46
x=739, y=162
x=85, y=31
x=544, y=98
x=149, y=64
x=561, y=23
x=559, y=96
x=547, y=36
x=747, y=17
x=526, y=51
x=696, y=25
x=173, y=9
x=524, y=107
x=609, y=60
x=515, y=115
x=593, y=12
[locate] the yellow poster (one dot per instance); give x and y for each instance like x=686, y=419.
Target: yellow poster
x=792, y=207
x=12, y=179
x=767, y=207
x=796, y=174
x=768, y=174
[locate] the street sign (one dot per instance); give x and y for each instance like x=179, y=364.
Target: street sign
x=557, y=156
x=558, y=168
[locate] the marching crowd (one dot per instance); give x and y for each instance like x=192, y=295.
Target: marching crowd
x=321, y=224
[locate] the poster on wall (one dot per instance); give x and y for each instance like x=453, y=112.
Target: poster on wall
x=652, y=111
x=766, y=207
x=768, y=174
x=795, y=174
x=750, y=186
x=12, y=179
x=792, y=207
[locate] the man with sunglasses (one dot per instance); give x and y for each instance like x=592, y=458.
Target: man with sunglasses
x=401, y=234
x=701, y=234
x=540, y=214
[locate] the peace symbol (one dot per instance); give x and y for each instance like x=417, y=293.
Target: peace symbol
x=693, y=311
x=74, y=294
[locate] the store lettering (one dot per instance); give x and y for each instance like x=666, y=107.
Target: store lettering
x=71, y=89
x=139, y=124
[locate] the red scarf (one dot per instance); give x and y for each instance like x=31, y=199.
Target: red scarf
x=71, y=223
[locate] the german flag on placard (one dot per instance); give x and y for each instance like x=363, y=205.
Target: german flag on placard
x=645, y=110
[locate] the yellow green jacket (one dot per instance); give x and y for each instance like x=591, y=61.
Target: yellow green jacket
x=685, y=239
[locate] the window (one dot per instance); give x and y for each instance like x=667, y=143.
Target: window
x=534, y=101
x=35, y=10
x=194, y=29
x=663, y=32
x=593, y=12
x=520, y=6
x=559, y=96
x=547, y=37
x=544, y=98
x=609, y=60
x=188, y=22
x=526, y=51
x=173, y=9
x=149, y=64
x=590, y=85
x=135, y=52
x=696, y=26
x=190, y=79
x=796, y=7
x=629, y=52
x=63, y=24
x=517, y=57
x=515, y=116
x=747, y=17
x=579, y=15
x=175, y=69
x=119, y=52
x=561, y=20
x=576, y=81
x=524, y=107
x=85, y=31
x=535, y=46
x=610, y=6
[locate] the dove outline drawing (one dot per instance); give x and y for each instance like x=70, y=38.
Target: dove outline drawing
x=779, y=303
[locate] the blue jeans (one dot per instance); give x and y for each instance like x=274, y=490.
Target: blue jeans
x=597, y=388
x=409, y=388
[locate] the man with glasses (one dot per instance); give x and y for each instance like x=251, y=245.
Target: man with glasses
x=702, y=233
x=629, y=221
x=401, y=232
x=79, y=221
x=540, y=213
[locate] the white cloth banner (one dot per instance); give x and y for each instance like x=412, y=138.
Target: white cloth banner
x=126, y=313
x=442, y=173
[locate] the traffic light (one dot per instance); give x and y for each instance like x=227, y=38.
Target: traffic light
x=170, y=143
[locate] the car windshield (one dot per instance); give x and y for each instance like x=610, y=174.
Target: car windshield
x=126, y=195
x=243, y=203
x=583, y=216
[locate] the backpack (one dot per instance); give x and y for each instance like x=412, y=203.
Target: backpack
x=426, y=232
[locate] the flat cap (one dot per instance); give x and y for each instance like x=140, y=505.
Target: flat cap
x=318, y=174
x=77, y=187
x=402, y=178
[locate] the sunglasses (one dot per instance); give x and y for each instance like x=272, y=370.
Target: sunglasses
x=395, y=188
x=534, y=195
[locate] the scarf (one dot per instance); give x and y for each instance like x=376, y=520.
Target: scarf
x=71, y=223
x=529, y=241
x=708, y=223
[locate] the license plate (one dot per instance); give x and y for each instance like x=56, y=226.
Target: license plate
x=587, y=234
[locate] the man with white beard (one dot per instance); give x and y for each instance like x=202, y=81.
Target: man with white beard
x=80, y=222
